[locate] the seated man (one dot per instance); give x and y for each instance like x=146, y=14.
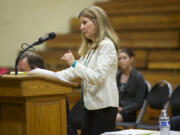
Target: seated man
x=29, y=61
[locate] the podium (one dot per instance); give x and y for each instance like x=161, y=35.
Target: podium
x=32, y=105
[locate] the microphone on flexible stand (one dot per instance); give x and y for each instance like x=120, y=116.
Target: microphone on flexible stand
x=41, y=40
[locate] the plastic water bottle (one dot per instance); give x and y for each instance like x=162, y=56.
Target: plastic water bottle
x=164, y=124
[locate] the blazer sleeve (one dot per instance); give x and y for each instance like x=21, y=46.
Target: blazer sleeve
x=106, y=58
x=69, y=73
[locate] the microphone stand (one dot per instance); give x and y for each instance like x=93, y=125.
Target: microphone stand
x=41, y=40
x=24, y=50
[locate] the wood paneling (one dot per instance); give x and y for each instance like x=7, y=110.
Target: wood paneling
x=45, y=116
x=131, y=39
x=38, y=109
x=167, y=59
x=149, y=39
x=12, y=119
x=40, y=87
x=140, y=58
x=164, y=65
x=125, y=3
x=139, y=22
x=115, y=8
x=161, y=55
x=11, y=90
x=154, y=76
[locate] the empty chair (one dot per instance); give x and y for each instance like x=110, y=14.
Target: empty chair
x=157, y=100
x=141, y=113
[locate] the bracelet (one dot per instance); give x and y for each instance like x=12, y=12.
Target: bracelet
x=74, y=64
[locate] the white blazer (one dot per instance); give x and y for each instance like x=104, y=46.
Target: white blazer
x=99, y=75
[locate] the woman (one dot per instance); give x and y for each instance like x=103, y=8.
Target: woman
x=97, y=67
x=131, y=86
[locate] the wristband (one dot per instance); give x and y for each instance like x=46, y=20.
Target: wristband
x=74, y=64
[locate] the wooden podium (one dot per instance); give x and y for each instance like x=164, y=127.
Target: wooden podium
x=32, y=105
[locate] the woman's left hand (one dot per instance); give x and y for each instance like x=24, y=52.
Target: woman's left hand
x=68, y=58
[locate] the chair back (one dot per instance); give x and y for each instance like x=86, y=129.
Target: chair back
x=143, y=108
x=157, y=100
x=159, y=95
x=175, y=101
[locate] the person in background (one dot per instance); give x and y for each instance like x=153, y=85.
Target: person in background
x=131, y=86
x=175, y=123
x=29, y=61
x=97, y=67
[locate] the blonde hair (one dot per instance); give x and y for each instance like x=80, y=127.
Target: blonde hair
x=103, y=29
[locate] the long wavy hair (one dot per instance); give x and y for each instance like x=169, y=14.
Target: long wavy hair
x=103, y=29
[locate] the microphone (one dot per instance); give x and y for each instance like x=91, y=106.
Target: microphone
x=40, y=41
x=51, y=35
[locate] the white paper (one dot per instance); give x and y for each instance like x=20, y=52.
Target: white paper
x=47, y=73
x=131, y=132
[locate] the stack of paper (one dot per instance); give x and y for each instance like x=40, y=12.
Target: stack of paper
x=131, y=132
x=47, y=73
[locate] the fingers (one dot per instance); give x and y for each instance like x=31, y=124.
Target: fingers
x=63, y=57
x=66, y=55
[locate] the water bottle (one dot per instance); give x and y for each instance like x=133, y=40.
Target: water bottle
x=164, y=124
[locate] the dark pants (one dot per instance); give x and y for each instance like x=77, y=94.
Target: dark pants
x=99, y=121
x=71, y=130
x=76, y=115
